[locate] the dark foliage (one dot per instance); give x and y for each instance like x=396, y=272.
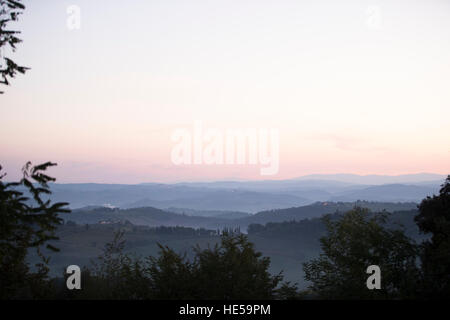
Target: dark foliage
x=229, y=270
x=26, y=223
x=434, y=219
x=354, y=242
x=9, y=12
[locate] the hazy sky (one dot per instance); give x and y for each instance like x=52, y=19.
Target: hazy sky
x=352, y=86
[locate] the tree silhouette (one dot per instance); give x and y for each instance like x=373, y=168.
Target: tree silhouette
x=354, y=242
x=26, y=221
x=231, y=269
x=9, y=12
x=434, y=219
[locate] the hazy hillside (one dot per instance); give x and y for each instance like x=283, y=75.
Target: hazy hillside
x=320, y=208
x=149, y=216
x=388, y=193
x=165, y=196
x=230, y=200
x=375, y=179
x=248, y=196
x=210, y=213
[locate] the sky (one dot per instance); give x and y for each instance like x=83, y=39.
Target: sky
x=351, y=86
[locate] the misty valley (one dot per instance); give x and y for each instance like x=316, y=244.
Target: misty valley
x=289, y=237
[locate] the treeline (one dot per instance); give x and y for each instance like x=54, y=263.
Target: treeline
x=314, y=228
x=129, y=227
x=298, y=229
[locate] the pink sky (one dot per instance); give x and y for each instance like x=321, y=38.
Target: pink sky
x=347, y=95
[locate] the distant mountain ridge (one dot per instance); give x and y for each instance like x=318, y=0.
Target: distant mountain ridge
x=387, y=193
x=247, y=196
x=375, y=179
